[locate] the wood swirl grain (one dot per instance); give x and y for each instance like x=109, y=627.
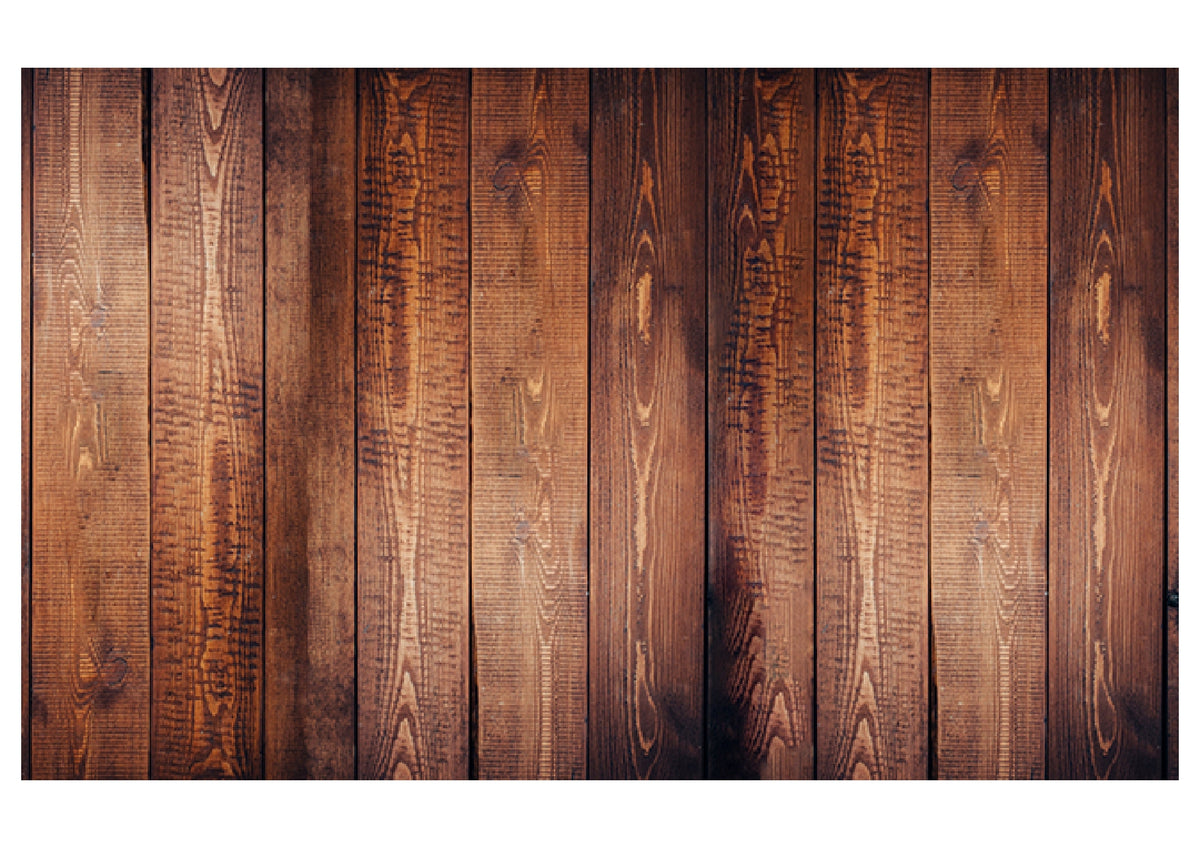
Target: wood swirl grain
x=647, y=489
x=988, y=196
x=413, y=426
x=90, y=510
x=1107, y=398
x=761, y=160
x=1172, y=259
x=309, y=534
x=872, y=425
x=529, y=308
x=207, y=423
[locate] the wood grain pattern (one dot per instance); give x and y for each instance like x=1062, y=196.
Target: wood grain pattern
x=988, y=195
x=1107, y=455
x=761, y=263
x=647, y=489
x=90, y=641
x=529, y=388
x=1172, y=259
x=26, y=358
x=872, y=426
x=309, y=537
x=207, y=423
x=413, y=536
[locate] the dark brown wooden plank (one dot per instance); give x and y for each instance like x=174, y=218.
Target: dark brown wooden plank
x=1107, y=397
x=206, y=402
x=872, y=420
x=762, y=202
x=413, y=426
x=26, y=357
x=310, y=242
x=529, y=387
x=1172, y=258
x=90, y=650
x=988, y=195
x=647, y=489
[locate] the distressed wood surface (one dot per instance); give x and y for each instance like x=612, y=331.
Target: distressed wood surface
x=90, y=523
x=872, y=426
x=988, y=195
x=207, y=423
x=647, y=489
x=1172, y=258
x=1107, y=398
x=27, y=84
x=529, y=319
x=413, y=425
x=309, y=535
x=762, y=203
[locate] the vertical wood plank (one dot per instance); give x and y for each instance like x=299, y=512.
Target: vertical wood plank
x=872, y=425
x=413, y=535
x=26, y=357
x=761, y=161
x=310, y=242
x=529, y=387
x=648, y=365
x=207, y=420
x=90, y=649
x=1172, y=258
x=1107, y=455
x=988, y=196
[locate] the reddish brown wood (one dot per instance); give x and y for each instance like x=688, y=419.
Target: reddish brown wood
x=762, y=203
x=1172, y=259
x=1107, y=397
x=90, y=460
x=413, y=426
x=529, y=308
x=27, y=98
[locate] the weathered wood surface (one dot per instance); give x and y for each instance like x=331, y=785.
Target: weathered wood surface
x=309, y=536
x=1172, y=258
x=26, y=358
x=207, y=422
x=988, y=196
x=647, y=487
x=413, y=425
x=529, y=390
x=1107, y=397
x=872, y=425
x=762, y=203
x=90, y=510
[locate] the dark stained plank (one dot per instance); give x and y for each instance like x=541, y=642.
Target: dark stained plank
x=26, y=355
x=1172, y=141
x=413, y=425
x=90, y=643
x=310, y=239
x=761, y=264
x=207, y=424
x=988, y=195
x=1107, y=397
x=529, y=389
x=647, y=487
x=872, y=418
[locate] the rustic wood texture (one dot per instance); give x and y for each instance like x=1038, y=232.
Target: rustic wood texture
x=872, y=426
x=90, y=641
x=988, y=219
x=1172, y=258
x=413, y=425
x=761, y=263
x=207, y=423
x=310, y=242
x=529, y=389
x=648, y=364
x=1107, y=455
x=26, y=358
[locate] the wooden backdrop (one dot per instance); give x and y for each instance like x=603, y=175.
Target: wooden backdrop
x=616, y=424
